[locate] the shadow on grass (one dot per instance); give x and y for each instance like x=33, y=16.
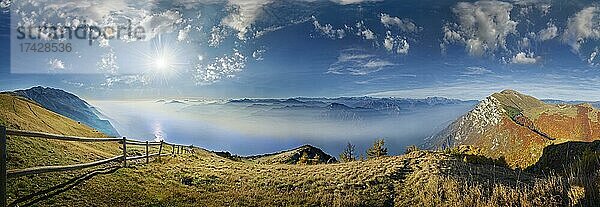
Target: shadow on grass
x=578, y=161
x=60, y=188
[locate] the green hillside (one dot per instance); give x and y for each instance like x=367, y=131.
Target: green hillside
x=24, y=152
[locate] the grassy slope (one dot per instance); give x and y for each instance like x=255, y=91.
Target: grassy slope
x=205, y=179
x=24, y=152
x=432, y=179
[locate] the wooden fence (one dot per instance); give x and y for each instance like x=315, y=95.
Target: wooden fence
x=13, y=173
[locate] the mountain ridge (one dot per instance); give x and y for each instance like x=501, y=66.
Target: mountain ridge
x=69, y=105
x=517, y=127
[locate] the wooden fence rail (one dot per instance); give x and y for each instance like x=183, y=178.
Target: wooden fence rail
x=23, y=133
x=47, y=169
x=13, y=173
x=143, y=144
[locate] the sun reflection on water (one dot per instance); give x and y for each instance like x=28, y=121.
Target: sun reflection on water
x=159, y=134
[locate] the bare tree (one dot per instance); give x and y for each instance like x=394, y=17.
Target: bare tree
x=348, y=155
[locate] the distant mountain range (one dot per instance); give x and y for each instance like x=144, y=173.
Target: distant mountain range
x=596, y=104
x=344, y=108
x=69, y=105
x=517, y=127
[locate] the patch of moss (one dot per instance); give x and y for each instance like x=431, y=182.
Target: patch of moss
x=512, y=112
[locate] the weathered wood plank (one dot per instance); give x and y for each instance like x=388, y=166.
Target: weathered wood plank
x=160, y=148
x=124, y=152
x=47, y=169
x=23, y=133
x=142, y=156
x=3, y=163
x=147, y=155
x=143, y=144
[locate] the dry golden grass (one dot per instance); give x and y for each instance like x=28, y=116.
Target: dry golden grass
x=419, y=178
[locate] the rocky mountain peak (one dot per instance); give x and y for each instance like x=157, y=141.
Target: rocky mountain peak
x=514, y=99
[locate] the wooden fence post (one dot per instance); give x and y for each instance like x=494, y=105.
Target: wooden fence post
x=147, y=158
x=178, y=149
x=124, y=152
x=173, y=150
x=3, y=175
x=160, y=149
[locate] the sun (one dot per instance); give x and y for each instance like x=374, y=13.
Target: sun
x=163, y=61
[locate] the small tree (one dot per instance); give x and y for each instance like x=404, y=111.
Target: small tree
x=377, y=150
x=316, y=159
x=304, y=159
x=411, y=148
x=348, y=154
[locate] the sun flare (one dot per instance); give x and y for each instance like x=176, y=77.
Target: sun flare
x=162, y=61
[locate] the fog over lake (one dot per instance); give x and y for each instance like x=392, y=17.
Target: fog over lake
x=249, y=127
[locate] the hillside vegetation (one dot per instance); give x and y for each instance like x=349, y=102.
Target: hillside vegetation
x=203, y=178
x=433, y=179
x=23, y=152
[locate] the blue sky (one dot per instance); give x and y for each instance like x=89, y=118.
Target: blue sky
x=286, y=48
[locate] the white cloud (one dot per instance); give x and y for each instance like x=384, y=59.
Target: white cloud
x=108, y=13
x=482, y=26
x=584, y=25
x=56, y=64
x=476, y=70
x=345, y=2
x=328, y=30
x=405, y=25
x=217, y=36
x=386, y=78
x=402, y=46
x=160, y=23
x=75, y=84
x=221, y=67
x=388, y=42
x=548, y=33
x=368, y=34
x=593, y=56
x=545, y=8
x=258, y=54
x=108, y=63
x=364, y=32
x=524, y=58
x=274, y=28
x=357, y=62
x=243, y=13
x=183, y=34
x=524, y=43
x=125, y=80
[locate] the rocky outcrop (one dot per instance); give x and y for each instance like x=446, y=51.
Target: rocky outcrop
x=306, y=154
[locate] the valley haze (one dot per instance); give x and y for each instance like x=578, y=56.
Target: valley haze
x=256, y=126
